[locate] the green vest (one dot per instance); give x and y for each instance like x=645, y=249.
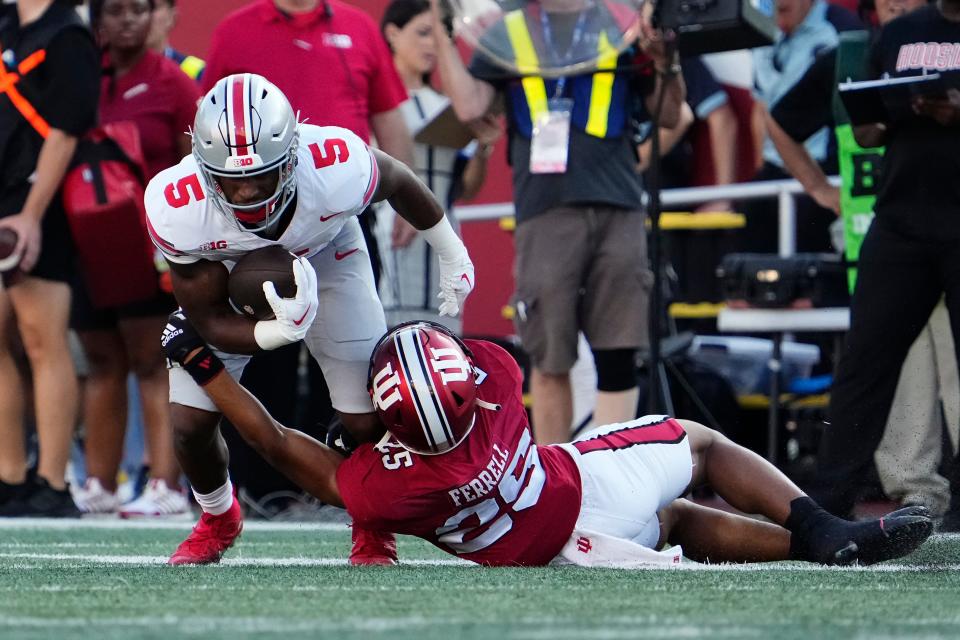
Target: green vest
x=859, y=167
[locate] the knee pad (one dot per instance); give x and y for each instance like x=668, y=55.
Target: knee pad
x=616, y=369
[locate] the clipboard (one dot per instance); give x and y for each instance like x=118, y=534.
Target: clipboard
x=890, y=99
x=444, y=129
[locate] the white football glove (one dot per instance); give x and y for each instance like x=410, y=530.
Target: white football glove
x=456, y=268
x=456, y=283
x=293, y=315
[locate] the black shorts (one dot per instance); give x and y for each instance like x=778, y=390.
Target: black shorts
x=84, y=316
x=58, y=256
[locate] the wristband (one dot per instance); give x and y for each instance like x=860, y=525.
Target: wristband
x=204, y=366
x=444, y=239
x=269, y=336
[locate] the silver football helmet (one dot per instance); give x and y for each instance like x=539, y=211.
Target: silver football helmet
x=245, y=126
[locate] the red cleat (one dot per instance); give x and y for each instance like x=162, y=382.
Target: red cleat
x=372, y=548
x=210, y=538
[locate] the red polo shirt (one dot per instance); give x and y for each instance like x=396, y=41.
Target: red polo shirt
x=333, y=66
x=160, y=99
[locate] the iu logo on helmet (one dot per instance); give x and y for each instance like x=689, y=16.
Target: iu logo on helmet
x=385, y=388
x=450, y=365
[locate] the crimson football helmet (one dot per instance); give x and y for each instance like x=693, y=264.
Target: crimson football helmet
x=423, y=386
x=246, y=127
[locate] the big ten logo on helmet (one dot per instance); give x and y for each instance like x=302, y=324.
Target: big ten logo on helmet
x=239, y=163
x=213, y=246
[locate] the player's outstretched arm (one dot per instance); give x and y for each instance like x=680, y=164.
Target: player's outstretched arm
x=201, y=290
x=415, y=203
x=307, y=462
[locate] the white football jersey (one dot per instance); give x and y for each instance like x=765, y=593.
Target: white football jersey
x=336, y=176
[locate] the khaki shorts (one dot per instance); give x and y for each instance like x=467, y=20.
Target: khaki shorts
x=581, y=269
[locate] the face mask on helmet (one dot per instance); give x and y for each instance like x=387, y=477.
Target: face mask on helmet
x=423, y=386
x=245, y=144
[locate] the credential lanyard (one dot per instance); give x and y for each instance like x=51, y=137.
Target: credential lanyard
x=578, y=30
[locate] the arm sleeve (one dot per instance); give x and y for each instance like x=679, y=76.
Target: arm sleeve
x=704, y=93
x=807, y=106
x=71, y=101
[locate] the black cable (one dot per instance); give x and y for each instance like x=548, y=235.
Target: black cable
x=655, y=396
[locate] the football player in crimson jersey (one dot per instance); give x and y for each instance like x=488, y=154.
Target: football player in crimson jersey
x=257, y=177
x=459, y=469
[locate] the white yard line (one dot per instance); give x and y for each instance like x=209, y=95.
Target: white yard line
x=61, y=524
x=145, y=560
x=140, y=560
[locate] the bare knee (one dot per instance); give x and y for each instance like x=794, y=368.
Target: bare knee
x=41, y=344
x=104, y=362
x=147, y=366
x=192, y=428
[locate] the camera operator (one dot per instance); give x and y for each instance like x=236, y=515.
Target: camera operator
x=910, y=256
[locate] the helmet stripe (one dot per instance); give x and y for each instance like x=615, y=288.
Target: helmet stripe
x=239, y=109
x=434, y=394
x=248, y=114
x=433, y=421
x=411, y=386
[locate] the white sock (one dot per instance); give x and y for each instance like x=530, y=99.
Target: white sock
x=217, y=501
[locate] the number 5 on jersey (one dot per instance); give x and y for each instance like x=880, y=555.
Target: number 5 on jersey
x=178, y=195
x=334, y=151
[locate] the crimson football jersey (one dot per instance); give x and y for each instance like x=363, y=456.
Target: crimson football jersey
x=497, y=499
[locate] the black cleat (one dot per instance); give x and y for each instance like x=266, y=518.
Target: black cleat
x=816, y=536
x=893, y=536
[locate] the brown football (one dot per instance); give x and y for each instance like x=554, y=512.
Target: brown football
x=245, y=285
x=8, y=242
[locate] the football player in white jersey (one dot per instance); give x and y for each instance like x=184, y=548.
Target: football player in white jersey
x=257, y=178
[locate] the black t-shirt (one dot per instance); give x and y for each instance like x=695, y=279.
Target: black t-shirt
x=919, y=192
x=64, y=89
x=599, y=170
x=807, y=107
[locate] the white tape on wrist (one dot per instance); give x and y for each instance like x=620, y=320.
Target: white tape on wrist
x=269, y=335
x=444, y=239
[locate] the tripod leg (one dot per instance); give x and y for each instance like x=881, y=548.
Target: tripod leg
x=711, y=421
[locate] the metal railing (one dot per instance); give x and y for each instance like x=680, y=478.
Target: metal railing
x=785, y=191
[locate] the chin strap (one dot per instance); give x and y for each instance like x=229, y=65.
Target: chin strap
x=487, y=405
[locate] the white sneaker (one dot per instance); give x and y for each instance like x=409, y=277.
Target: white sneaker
x=92, y=498
x=157, y=500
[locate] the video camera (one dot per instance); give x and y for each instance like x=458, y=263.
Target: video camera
x=709, y=26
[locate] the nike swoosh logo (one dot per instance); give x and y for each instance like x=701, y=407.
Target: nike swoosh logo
x=341, y=256
x=300, y=321
x=332, y=215
x=464, y=277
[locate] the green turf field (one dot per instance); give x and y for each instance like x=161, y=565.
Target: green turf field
x=104, y=581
